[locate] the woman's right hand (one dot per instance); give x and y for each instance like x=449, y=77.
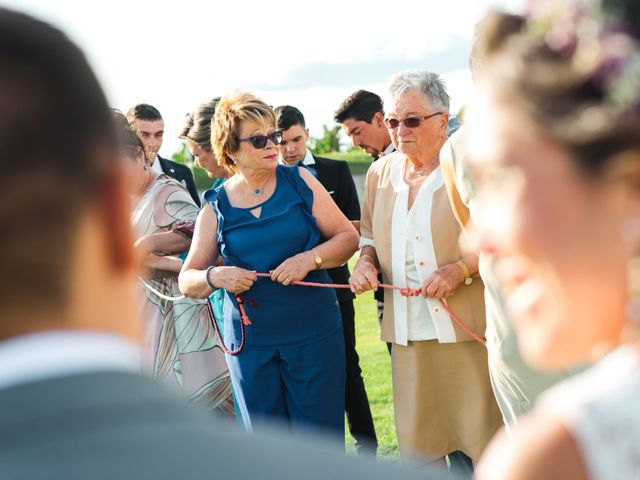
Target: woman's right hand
x=364, y=276
x=233, y=279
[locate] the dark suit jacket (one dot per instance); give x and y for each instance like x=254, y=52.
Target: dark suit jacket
x=115, y=425
x=182, y=173
x=336, y=178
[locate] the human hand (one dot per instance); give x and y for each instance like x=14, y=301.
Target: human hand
x=144, y=245
x=233, y=279
x=443, y=282
x=294, y=269
x=364, y=276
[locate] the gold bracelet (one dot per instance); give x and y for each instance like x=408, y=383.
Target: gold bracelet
x=465, y=270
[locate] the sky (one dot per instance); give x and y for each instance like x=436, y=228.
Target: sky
x=307, y=53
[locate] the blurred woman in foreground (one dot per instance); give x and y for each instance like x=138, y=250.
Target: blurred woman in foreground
x=555, y=132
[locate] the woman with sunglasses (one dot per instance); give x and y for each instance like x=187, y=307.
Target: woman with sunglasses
x=280, y=220
x=181, y=349
x=442, y=396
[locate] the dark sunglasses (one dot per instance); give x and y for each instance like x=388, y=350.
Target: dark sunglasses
x=260, y=141
x=409, y=122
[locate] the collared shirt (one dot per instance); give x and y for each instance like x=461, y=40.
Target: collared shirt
x=420, y=325
x=156, y=167
x=40, y=356
x=390, y=149
x=413, y=230
x=307, y=160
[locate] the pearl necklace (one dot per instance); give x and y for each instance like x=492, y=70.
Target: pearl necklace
x=417, y=170
x=420, y=178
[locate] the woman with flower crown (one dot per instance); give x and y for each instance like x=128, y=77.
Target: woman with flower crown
x=558, y=189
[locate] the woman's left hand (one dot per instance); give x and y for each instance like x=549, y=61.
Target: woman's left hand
x=294, y=269
x=443, y=282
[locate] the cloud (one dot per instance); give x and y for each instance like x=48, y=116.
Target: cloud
x=454, y=56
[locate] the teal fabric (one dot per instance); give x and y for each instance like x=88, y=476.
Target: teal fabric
x=217, y=297
x=217, y=182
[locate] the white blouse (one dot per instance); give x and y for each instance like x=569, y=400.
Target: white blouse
x=420, y=324
x=411, y=239
x=601, y=408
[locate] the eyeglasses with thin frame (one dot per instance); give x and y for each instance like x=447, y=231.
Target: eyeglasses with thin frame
x=409, y=122
x=260, y=141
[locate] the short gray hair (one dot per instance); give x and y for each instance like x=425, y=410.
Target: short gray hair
x=430, y=84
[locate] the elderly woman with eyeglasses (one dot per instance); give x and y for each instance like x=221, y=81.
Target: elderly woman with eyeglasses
x=442, y=396
x=279, y=220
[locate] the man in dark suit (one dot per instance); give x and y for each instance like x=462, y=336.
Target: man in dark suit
x=336, y=178
x=149, y=125
x=72, y=405
x=361, y=116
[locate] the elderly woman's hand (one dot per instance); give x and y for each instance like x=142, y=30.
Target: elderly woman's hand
x=443, y=282
x=364, y=276
x=294, y=269
x=233, y=279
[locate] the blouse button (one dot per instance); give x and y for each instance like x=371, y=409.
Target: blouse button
x=422, y=264
x=436, y=310
x=417, y=237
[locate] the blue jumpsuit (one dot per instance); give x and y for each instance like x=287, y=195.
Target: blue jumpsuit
x=292, y=366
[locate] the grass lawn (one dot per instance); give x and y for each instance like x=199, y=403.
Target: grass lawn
x=359, y=162
x=376, y=370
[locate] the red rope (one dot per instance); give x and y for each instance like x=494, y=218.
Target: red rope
x=404, y=291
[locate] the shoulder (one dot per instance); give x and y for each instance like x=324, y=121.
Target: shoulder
x=331, y=168
x=211, y=196
x=603, y=420
x=457, y=142
x=331, y=163
x=541, y=446
x=169, y=191
x=384, y=164
x=178, y=167
x=165, y=183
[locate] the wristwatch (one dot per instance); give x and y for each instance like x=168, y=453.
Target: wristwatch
x=316, y=259
x=465, y=270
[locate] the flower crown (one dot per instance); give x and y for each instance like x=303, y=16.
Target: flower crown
x=601, y=45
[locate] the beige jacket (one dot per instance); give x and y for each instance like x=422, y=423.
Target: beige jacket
x=384, y=213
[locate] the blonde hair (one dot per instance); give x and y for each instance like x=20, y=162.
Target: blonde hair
x=233, y=109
